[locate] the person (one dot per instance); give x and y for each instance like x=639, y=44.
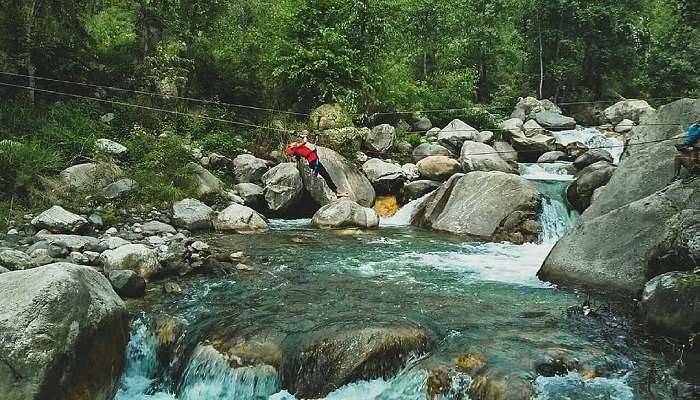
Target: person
x=303, y=149
x=688, y=152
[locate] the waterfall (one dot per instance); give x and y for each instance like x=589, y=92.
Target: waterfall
x=403, y=216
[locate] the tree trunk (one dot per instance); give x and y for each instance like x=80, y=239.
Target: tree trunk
x=539, y=25
x=29, y=39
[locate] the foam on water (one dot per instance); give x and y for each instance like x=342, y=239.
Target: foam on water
x=403, y=216
x=591, y=137
x=574, y=387
x=557, y=171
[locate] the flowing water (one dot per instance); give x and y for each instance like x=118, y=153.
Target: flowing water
x=592, y=137
x=471, y=297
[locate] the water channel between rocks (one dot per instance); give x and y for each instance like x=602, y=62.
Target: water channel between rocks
x=471, y=297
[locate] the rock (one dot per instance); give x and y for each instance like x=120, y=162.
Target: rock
x=477, y=156
x=110, y=147
x=428, y=149
x=624, y=126
x=418, y=189
x=62, y=336
x=119, y=188
x=15, y=260
x=552, y=156
x=500, y=384
x=512, y=128
x=347, y=356
x=611, y=252
x=112, y=231
x=592, y=156
x=381, y=139
x=531, y=128
x=207, y=183
x=95, y=219
x=553, y=121
x=58, y=220
x=253, y=195
x=112, y=243
x=361, y=157
x=632, y=110
x=531, y=148
x=345, y=213
x=385, y=177
x=671, y=303
x=527, y=108
x=486, y=137
x=580, y=192
x=455, y=133
x=470, y=363
x=404, y=147
x=432, y=134
x=344, y=174
x=134, y=257
x=3, y=270
x=90, y=176
x=192, y=214
x=423, y=124
x=72, y=242
x=486, y=206
x=283, y=187
x=329, y=116
x=78, y=258
x=438, y=168
x=403, y=126
x=240, y=219
x=410, y=171
x=157, y=227
x=127, y=283
x=248, y=168
x=171, y=288
x=507, y=153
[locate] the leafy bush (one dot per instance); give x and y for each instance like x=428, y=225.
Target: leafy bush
x=23, y=164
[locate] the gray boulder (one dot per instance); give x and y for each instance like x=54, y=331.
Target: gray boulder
x=428, y=149
x=486, y=137
x=592, y=156
x=15, y=260
x=127, y=283
x=110, y=147
x=527, y=107
x=438, y=168
x=58, y=220
x=486, y=206
x=248, y=168
x=624, y=126
x=134, y=257
x=90, y=176
x=240, y=219
x=344, y=174
x=119, y=188
x=531, y=128
x=72, y=242
x=671, y=303
x=345, y=213
x=381, y=138
x=418, y=189
x=410, y=171
x=385, y=177
x=477, y=156
x=192, y=214
x=283, y=187
x=552, y=156
x=531, y=148
x=511, y=128
x=207, y=183
x=507, y=153
x=3, y=270
x=455, y=133
x=253, y=195
x=580, y=192
x=632, y=110
x=344, y=137
x=63, y=335
x=423, y=124
x=553, y=121
x=157, y=227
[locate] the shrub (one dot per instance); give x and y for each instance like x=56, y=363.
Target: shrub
x=23, y=164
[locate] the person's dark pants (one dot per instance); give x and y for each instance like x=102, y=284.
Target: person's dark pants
x=318, y=168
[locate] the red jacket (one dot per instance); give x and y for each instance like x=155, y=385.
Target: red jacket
x=302, y=150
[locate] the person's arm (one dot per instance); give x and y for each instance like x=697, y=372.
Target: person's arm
x=290, y=150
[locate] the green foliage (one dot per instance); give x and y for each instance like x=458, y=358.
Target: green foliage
x=23, y=165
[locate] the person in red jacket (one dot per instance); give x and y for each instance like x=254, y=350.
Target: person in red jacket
x=302, y=148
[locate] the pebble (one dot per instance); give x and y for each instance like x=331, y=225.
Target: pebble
x=172, y=287
x=199, y=246
x=236, y=256
x=244, y=267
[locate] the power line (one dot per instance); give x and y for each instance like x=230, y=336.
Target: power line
x=121, y=103
x=152, y=94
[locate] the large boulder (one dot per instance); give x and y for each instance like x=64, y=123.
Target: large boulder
x=135, y=257
x=253, y=195
x=283, y=187
x=422, y=124
x=157, y=228
x=345, y=213
x=192, y=214
x=15, y=260
x=507, y=153
x=347, y=137
x=381, y=139
x=527, y=107
x=339, y=358
x=531, y=148
x=127, y=283
x=531, y=128
x=385, y=177
x=345, y=176
x=329, y=116
x=592, y=156
x=90, y=176
x=58, y=220
x=119, y=188
x=632, y=110
x=428, y=149
x=207, y=183
x=477, y=156
x=511, y=128
x=554, y=121
x=611, y=252
x=418, y=189
x=438, y=168
x=62, y=335
x=580, y=191
x=671, y=303
x=455, y=133
x=487, y=206
x=72, y=242
x=241, y=219
x=248, y=168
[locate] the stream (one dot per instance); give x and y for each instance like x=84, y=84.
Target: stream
x=483, y=298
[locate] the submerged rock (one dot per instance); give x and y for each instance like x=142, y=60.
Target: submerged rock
x=62, y=336
x=348, y=356
x=488, y=206
x=345, y=213
x=59, y=220
x=671, y=303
